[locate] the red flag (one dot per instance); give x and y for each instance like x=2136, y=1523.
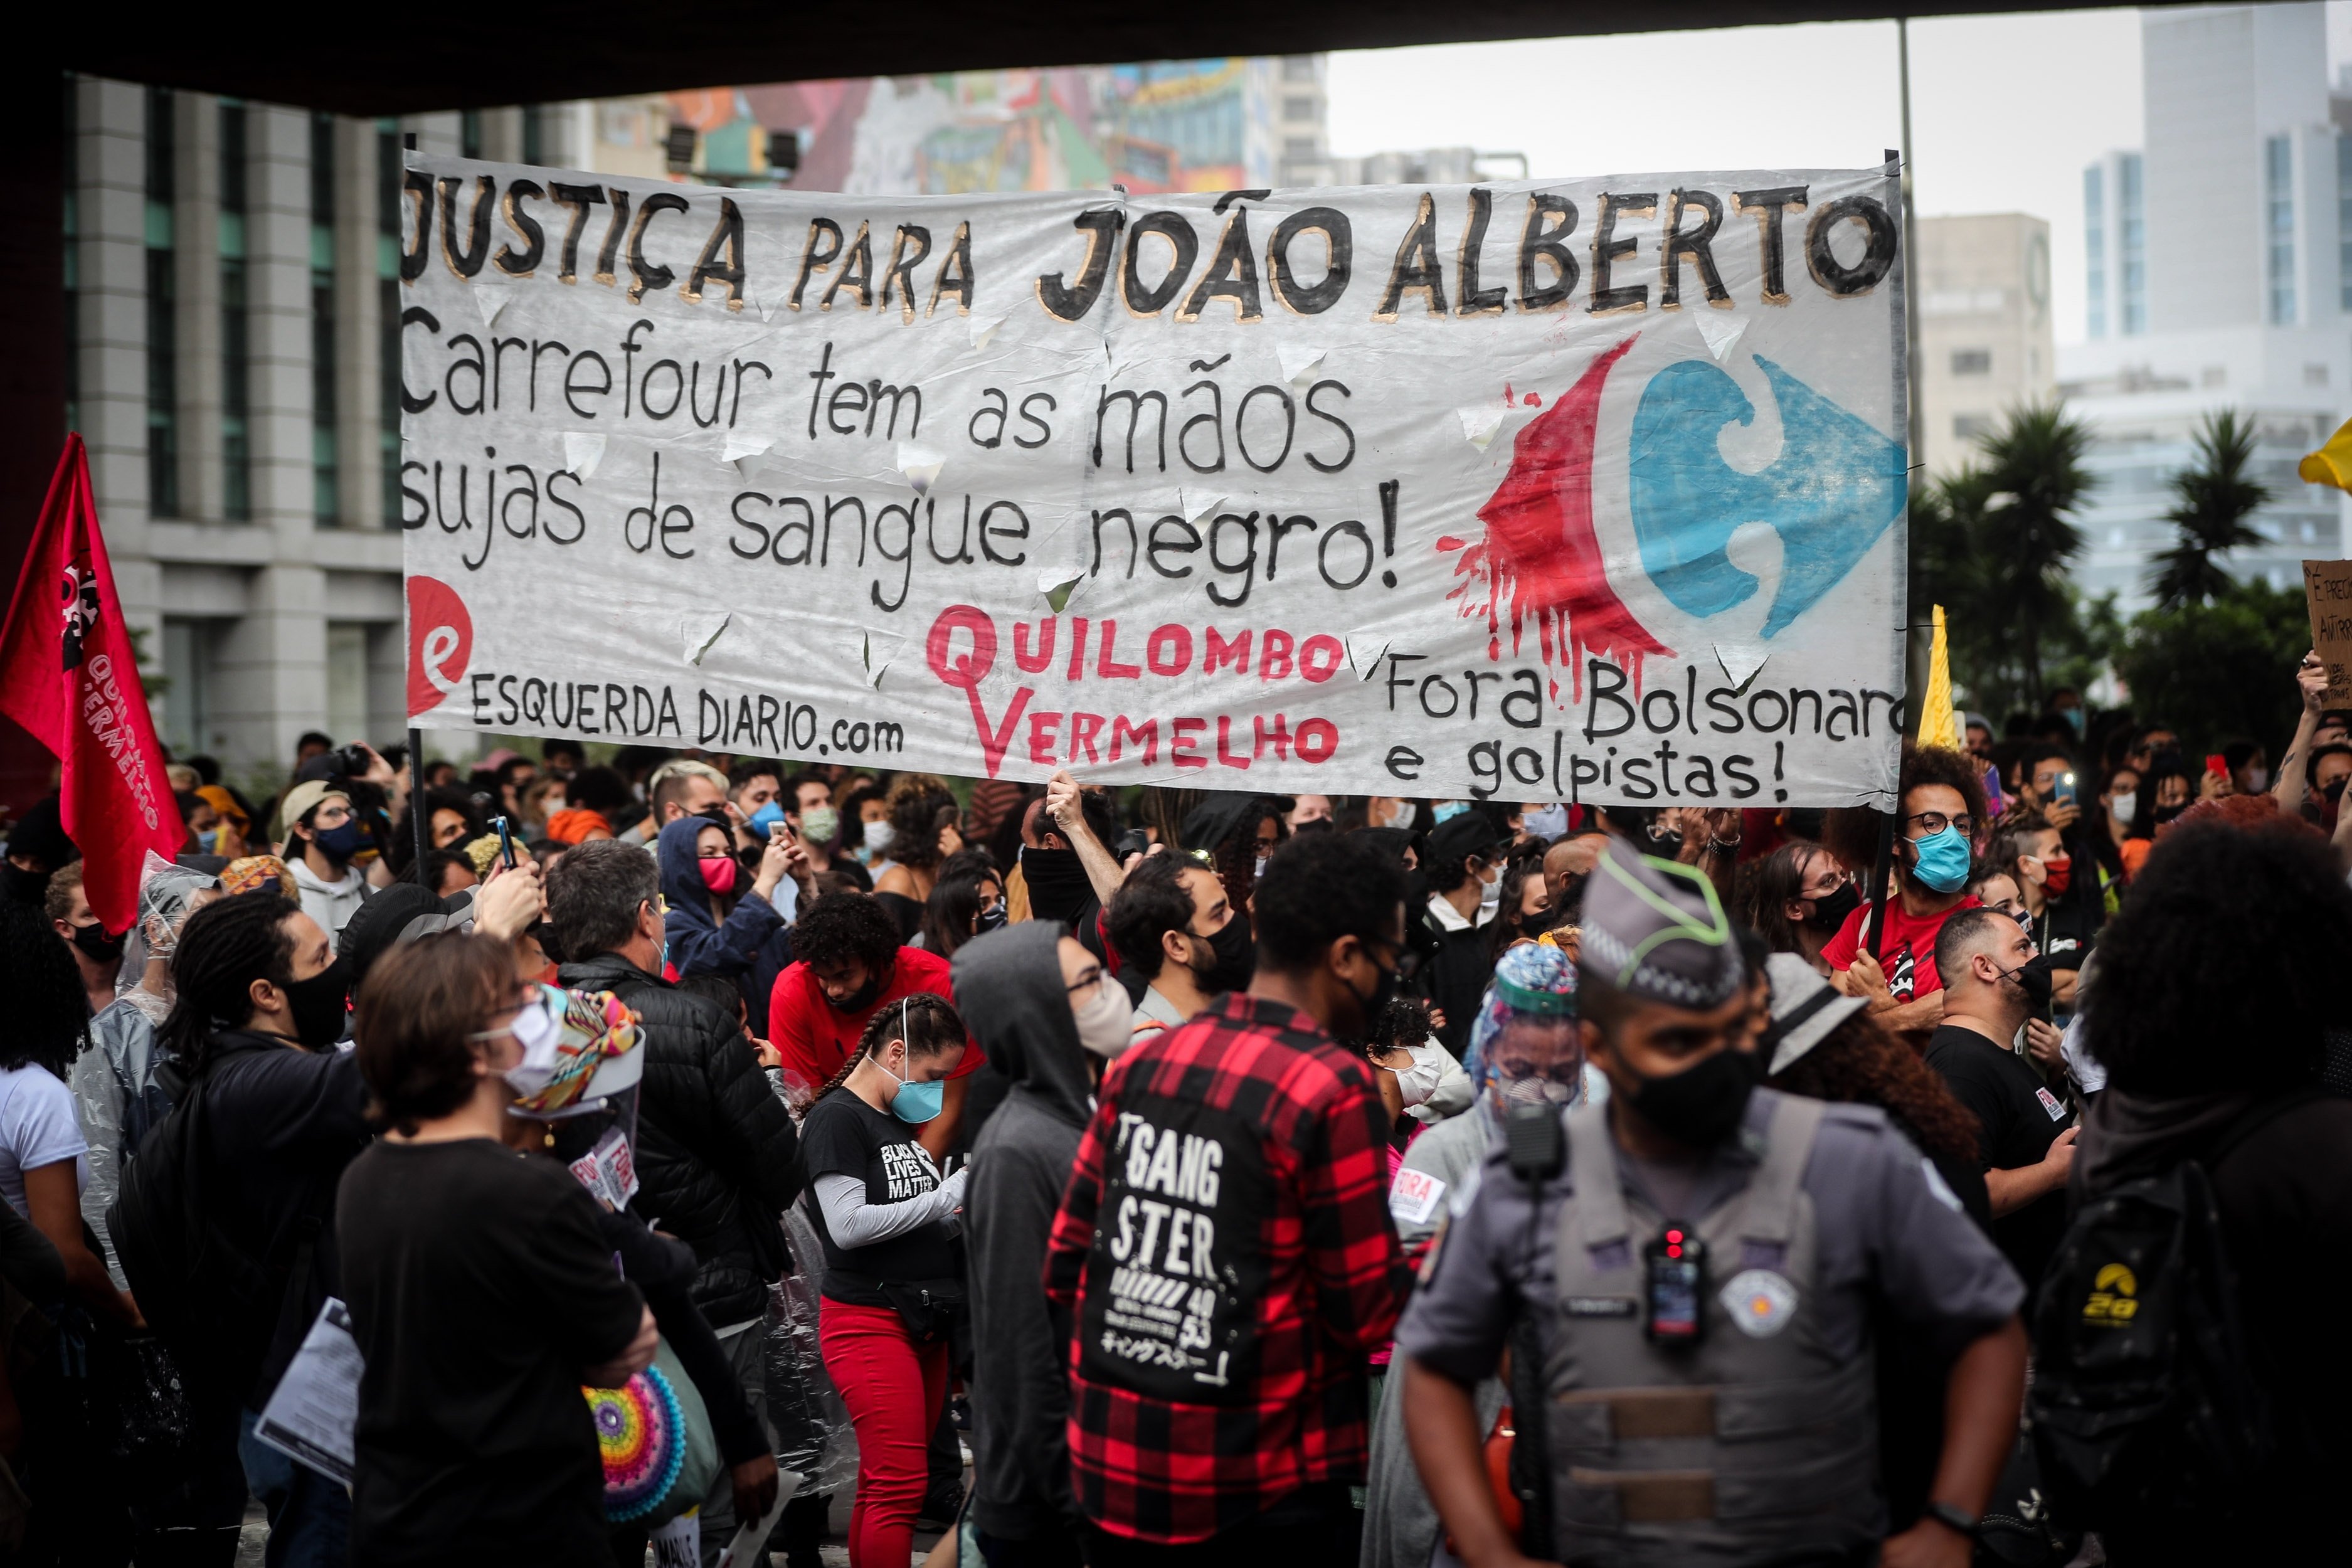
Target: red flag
x=68, y=675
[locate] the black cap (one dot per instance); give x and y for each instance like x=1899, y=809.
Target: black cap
x=1471, y=832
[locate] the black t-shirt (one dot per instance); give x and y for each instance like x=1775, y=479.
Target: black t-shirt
x=843, y=1136
x=2018, y=1118
x=478, y=1288
x=2065, y=932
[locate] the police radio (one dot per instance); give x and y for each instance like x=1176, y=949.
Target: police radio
x=1674, y=1273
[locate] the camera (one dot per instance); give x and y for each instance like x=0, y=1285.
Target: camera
x=352, y=761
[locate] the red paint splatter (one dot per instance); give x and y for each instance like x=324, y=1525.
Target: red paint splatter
x=1540, y=548
x=1533, y=400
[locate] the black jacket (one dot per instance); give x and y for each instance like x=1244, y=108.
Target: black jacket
x=717, y=1157
x=281, y=1125
x=1009, y=983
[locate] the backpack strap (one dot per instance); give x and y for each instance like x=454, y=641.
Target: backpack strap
x=1773, y=1192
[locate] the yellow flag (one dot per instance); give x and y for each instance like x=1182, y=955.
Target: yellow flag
x=1940, y=722
x=2332, y=464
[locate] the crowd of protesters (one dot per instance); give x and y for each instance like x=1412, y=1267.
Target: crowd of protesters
x=1182, y=1177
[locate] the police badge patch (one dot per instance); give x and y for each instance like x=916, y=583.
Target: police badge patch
x=1759, y=1302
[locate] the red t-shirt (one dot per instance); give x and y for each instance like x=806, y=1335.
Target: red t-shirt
x=814, y=1037
x=1907, y=947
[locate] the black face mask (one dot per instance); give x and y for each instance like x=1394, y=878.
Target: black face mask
x=1700, y=1106
x=96, y=945
x=317, y=1005
x=1384, y=991
x=1234, y=957
x=858, y=1000
x=1537, y=923
x=25, y=887
x=2166, y=813
x=1829, y=913
x=2033, y=978
x=1059, y=888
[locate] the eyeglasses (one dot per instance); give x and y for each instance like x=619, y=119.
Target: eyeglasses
x=1934, y=822
x=1092, y=981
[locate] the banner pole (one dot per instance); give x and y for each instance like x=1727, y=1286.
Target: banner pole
x=418, y=822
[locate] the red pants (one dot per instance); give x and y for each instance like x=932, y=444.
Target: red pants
x=894, y=1389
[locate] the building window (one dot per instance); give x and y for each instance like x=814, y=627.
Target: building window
x=2094, y=248
x=236, y=362
x=184, y=707
x=470, y=134
x=162, y=319
x=1298, y=146
x=1298, y=108
x=2278, y=226
x=390, y=174
x=534, y=134
x=346, y=679
x=1299, y=68
x=1972, y=362
x=2132, y=244
x=2344, y=220
x=1970, y=427
x=325, y=476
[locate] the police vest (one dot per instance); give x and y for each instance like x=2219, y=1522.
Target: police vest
x=1755, y=1445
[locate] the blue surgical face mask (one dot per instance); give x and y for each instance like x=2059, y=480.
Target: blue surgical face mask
x=917, y=1103
x=1943, y=860
x=766, y=817
x=1447, y=810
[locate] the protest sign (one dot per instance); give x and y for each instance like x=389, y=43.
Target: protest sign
x=1573, y=488
x=2327, y=590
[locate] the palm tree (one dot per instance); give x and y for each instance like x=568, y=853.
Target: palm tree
x=2032, y=481
x=2209, y=517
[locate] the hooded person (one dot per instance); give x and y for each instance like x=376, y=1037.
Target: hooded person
x=719, y=922
x=1527, y=1049
x=125, y=1086
x=1040, y=1004
x=37, y=848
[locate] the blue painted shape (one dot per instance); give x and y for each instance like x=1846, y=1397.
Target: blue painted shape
x=1837, y=485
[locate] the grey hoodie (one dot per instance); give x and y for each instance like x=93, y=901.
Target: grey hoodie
x=1008, y=985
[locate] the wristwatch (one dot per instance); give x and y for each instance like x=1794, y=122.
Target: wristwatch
x=1954, y=1517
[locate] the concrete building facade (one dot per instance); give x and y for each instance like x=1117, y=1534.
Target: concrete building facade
x=1986, y=342
x=2220, y=275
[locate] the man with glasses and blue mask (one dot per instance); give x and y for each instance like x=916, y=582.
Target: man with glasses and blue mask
x=1936, y=838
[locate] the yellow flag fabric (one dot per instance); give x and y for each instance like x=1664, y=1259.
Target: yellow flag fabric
x=1939, y=721
x=2332, y=464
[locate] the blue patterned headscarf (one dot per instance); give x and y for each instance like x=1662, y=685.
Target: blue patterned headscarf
x=1530, y=980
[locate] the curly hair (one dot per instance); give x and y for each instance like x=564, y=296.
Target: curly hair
x=1234, y=857
x=49, y=1023
x=2220, y=971
x=931, y=1027
x=921, y=806
x=841, y=927
x=1859, y=1063
x=1956, y=771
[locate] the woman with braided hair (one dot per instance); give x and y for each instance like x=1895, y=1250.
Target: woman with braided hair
x=892, y=1283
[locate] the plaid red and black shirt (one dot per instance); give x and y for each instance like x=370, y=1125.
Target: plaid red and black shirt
x=1226, y=1249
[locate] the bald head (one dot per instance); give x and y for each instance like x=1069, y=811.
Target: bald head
x=1569, y=861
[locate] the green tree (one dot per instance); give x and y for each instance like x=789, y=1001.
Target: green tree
x=1994, y=544
x=2215, y=498
x=2220, y=668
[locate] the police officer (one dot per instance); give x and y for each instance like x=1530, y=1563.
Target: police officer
x=1689, y=1289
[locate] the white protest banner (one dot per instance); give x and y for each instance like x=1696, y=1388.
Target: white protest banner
x=1573, y=488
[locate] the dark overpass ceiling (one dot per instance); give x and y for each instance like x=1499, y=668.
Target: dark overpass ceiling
x=379, y=58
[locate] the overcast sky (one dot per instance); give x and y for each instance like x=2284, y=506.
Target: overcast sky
x=2005, y=110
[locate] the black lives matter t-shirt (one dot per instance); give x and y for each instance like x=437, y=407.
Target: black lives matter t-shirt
x=2019, y=1116
x=843, y=1136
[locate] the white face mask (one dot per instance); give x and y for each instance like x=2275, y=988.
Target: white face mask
x=2123, y=806
x=878, y=836
x=1416, y=1083
x=1546, y=821
x=1257, y=867
x=2257, y=780
x=1490, y=895
x=1105, y=1020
